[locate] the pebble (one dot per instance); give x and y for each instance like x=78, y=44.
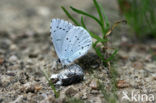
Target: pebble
x=33, y=55
x=153, y=47
x=93, y=84
x=13, y=58
x=154, y=78
x=13, y=47
x=84, y=96
x=44, y=11
x=122, y=84
x=9, y=73
x=31, y=87
x=2, y=51
x=138, y=65
x=29, y=61
x=38, y=88
x=5, y=80
x=28, y=87
x=94, y=92
x=1, y=60
x=123, y=55
x=70, y=92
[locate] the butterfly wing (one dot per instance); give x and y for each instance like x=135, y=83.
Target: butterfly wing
x=76, y=44
x=59, y=28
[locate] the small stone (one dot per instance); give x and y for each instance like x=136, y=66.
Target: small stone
x=123, y=55
x=5, y=81
x=94, y=92
x=70, y=92
x=30, y=33
x=28, y=87
x=13, y=47
x=13, y=58
x=148, y=58
x=9, y=73
x=33, y=55
x=153, y=47
x=2, y=51
x=154, y=78
x=138, y=65
x=29, y=61
x=93, y=84
x=122, y=84
x=44, y=11
x=23, y=77
x=1, y=100
x=84, y=96
x=1, y=60
x=15, y=67
x=38, y=88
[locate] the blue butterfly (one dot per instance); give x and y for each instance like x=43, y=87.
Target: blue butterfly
x=70, y=42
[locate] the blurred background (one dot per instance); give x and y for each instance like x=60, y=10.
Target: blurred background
x=27, y=15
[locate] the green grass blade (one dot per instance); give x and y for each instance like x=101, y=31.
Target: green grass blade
x=98, y=52
x=51, y=85
x=104, y=91
x=70, y=17
x=100, y=16
x=97, y=37
x=106, y=22
x=112, y=56
x=99, y=11
x=86, y=14
x=94, y=44
x=82, y=23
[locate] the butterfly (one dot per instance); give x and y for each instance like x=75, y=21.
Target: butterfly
x=70, y=42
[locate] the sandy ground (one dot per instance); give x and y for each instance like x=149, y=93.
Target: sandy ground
x=26, y=49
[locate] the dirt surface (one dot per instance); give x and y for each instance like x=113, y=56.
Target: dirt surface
x=26, y=49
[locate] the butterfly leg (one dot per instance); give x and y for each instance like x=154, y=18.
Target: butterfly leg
x=57, y=62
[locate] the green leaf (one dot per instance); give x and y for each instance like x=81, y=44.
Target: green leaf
x=86, y=14
x=70, y=17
